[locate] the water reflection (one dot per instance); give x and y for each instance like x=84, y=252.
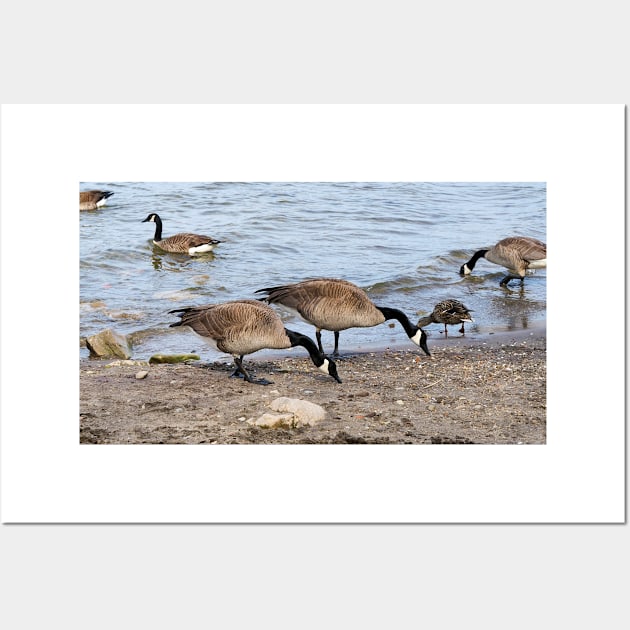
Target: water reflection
x=177, y=262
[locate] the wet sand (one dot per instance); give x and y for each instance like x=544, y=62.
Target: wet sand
x=477, y=389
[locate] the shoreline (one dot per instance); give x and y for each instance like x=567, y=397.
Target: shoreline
x=482, y=388
x=536, y=329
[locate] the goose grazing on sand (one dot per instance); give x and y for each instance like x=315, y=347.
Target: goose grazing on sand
x=183, y=243
x=516, y=253
x=332, y=304
x=451, y=312
x=93, y=199
x=245, y=326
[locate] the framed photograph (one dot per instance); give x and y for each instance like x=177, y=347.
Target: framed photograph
x=312, y=314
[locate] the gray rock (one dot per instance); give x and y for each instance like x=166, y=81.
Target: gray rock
x=108, y=343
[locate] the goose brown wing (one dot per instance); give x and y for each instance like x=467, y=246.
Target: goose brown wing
x=294, y=295
x=534, y=250
x=184, y=241
x=528, y=248
x=238, y=327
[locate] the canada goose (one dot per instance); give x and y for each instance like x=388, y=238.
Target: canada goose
x=183, y=243
x=332, y=304
x=92, y=199
x=447, y=312
x=245, y=326
x=516, y=253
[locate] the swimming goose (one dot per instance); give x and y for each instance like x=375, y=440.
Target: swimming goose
x=183, y=243
x=447, y=312
x=244, y=326
x=516, y=253
x=92, y=199
x=332, y=304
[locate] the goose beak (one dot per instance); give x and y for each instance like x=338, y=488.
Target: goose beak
x=420, y=339
x=330, y=367
x=332, y=370
x=423, y=344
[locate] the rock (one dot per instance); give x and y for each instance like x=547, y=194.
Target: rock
x=305, y=412
x=142, y=374
x=292, y=413
x=274, y=421
x=173, y=358
x=108, y=343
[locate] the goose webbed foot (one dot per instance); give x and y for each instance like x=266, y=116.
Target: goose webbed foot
x=260, y=381
x=240, y=371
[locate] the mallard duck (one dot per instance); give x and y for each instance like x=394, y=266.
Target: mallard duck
x=447, y=312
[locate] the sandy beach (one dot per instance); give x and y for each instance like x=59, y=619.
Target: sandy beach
x=477, y=389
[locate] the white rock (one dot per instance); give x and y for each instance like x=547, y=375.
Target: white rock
x=142, y=374
x=305, y=412
x=274, y=421
x=290, y=413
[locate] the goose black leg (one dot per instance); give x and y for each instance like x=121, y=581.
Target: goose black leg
x=241, y=370
x=505, y=280
x=336, y=350
x=318, y=336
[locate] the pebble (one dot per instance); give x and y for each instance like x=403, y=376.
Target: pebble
x=142, y=374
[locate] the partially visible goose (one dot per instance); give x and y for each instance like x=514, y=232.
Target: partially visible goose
x=183, y=243
x=244, y=326
x=92, y=199
x=451, y=312
x=516, y=253
x=333, y=304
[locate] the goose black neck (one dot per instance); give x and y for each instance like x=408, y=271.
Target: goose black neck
x=158, y=228
x=298, y=339
x=394, y=313
x=476, y=256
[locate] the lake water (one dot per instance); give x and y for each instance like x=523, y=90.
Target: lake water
x=403, y=243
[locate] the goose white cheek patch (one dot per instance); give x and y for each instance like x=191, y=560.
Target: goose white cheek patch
x=417, y=337
x=324, y=366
